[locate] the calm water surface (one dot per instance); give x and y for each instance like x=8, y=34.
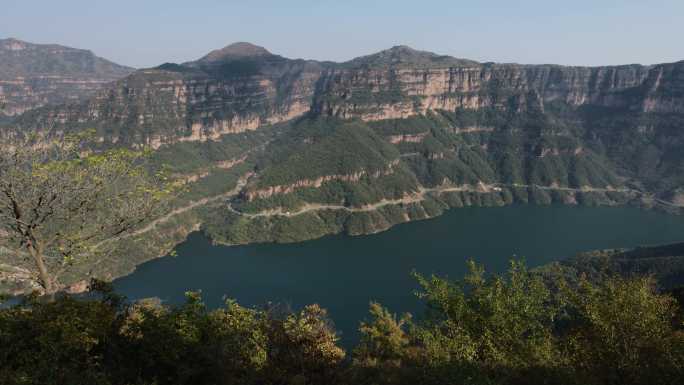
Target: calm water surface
x=344, y=273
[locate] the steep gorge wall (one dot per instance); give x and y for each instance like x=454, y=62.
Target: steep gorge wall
x=192, y=103
x=159, y=106
x=390, y=93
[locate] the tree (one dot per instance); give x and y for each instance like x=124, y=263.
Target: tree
x=303, y=347
x=383, y=352
x=499, y=321
x=622, y=332
x=384, y=340
x=62, y=203
x=488, y=327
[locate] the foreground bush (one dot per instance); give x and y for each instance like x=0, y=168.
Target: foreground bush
x=70, y=341
x=512, y=329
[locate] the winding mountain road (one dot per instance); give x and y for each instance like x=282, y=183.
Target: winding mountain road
x=418, y=196
x=242, y=181
x=421, y=195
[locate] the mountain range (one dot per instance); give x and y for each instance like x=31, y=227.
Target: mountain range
x=278, y=149
x=33, y=75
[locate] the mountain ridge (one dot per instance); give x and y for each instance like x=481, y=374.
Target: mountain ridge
x=33, y=75
x=176, y=103
x=252, y=59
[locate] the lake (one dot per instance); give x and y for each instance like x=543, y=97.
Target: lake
x=344, y=273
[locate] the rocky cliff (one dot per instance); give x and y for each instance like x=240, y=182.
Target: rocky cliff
x=33, y=75
x=242, y=87
x=232, y=90
x=402, y=82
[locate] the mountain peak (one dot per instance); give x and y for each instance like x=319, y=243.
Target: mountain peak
x=404, y=55
x=236, y=50
x=13, y=44
x=405, y=48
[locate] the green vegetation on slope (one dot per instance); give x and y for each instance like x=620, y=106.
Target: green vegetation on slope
x=320, y=147
x=492, y=156
x=666, y=263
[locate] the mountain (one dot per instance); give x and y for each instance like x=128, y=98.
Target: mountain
x=33, y=75
x=404, y=56
x=284, y=150
x=240, y=50
x=240, y=87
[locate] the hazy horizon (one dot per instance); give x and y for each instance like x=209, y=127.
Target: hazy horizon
x=146, y=34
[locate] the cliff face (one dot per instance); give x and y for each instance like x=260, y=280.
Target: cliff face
x=229, y=91
x=242, y=87
x=33, y=75
x=400, y=89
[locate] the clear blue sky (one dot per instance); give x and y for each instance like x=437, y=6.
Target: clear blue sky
x=144, y=33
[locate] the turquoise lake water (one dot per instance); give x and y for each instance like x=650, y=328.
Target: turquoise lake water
x=343, y=274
